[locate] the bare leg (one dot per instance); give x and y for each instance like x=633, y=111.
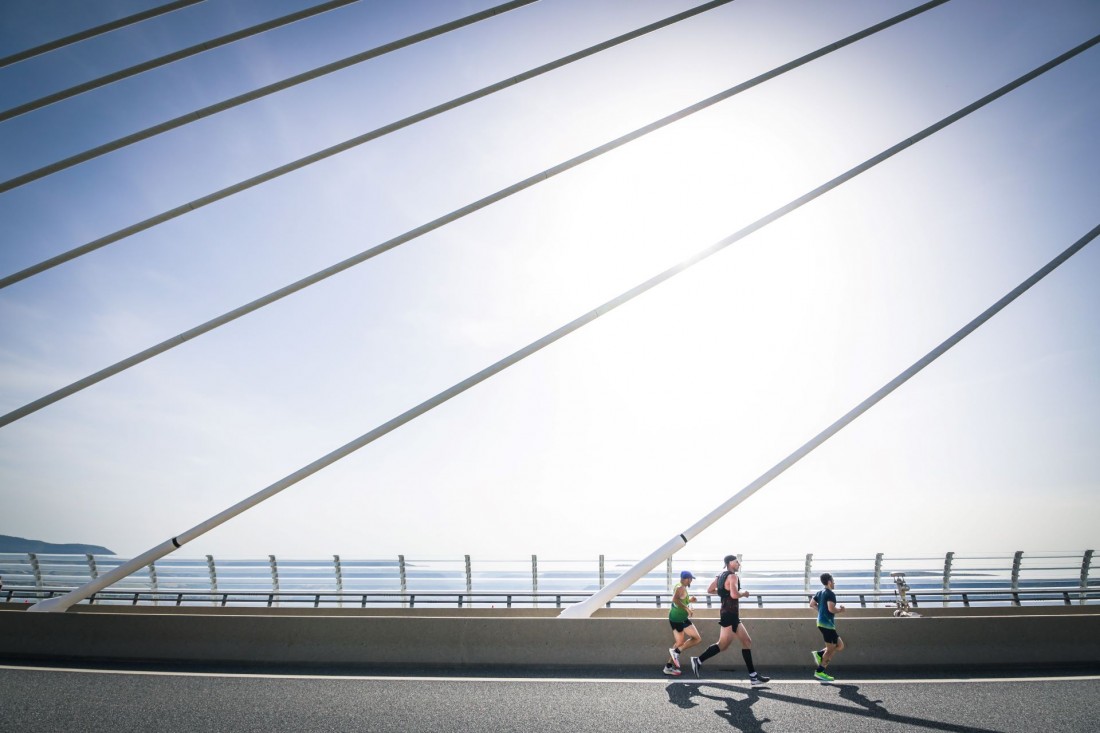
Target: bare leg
x=690, y=638
x=830, y=651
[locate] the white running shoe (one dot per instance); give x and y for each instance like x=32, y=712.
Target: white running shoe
x=675, y=656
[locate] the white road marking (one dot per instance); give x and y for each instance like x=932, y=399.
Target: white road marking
x=543, y=680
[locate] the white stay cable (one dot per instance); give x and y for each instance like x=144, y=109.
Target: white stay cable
x=328, y=272
x=344, y=146
x=278, y=86
x=587, y=607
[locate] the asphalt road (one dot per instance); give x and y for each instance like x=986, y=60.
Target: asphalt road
x=52, y=700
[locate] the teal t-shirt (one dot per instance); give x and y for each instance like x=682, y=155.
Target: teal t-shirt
x=825, y=619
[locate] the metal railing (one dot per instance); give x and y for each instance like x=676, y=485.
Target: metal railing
x=951, y=579
x=515, y=599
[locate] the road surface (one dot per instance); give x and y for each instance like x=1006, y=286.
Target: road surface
x=57, y=699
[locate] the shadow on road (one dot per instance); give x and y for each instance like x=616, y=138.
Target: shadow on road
x=739, y=702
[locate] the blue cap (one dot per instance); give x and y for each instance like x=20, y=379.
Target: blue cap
x=685, y=574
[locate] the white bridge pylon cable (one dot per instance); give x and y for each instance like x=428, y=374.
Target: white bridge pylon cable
x=349, y=144
x=96, y=31
x=63, y=602
x=287, y=83
x=151, y=64
x=587, y=607
x=317, y=277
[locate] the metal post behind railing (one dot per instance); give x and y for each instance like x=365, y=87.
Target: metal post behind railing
x=93, y=571
x=535, y=579
x=402, y=579
x=1086, y=563
x=153, y=582
x=32, y=558
x=1016, y=560
x=339, y=578
x=809, y=569
x=947, y=562
x=602, y=571
x=878, y=573
x=274, y=579
x=213, y=579
x=469, y=582
x=668, y=573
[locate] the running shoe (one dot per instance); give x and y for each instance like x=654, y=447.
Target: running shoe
x=695, y=665
x=759, y=679
x=824, y=676
x=675, y=656
x=671, y=671
x=817, y=657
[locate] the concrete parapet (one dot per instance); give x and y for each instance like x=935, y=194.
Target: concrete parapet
x=875, y=639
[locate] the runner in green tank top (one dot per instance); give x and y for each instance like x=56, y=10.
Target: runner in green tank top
x=684, y=633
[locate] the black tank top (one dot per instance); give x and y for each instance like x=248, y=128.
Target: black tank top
x=730, y=603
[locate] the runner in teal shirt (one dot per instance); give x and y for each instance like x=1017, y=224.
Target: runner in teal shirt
x=824, y=602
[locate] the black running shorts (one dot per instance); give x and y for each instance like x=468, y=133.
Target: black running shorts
x=680, y=625
x=729, y=619
x=830, y=635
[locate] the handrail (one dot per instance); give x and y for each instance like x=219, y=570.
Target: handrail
x=464, y=598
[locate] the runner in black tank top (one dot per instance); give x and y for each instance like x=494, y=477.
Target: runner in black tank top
x=728, y=587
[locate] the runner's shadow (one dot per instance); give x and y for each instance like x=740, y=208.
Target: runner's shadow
x=738, y=713
x=852, y=694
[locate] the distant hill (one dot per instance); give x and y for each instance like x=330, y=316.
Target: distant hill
x=19, y=544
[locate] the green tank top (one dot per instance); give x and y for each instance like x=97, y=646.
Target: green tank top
x=677, y=614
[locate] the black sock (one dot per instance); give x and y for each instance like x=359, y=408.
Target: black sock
x=747, y=654
x=710, y=652
x=676, y=649
x=820, y=668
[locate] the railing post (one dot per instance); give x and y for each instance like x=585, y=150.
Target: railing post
x=1016, y=569
x=402, y=579
x=668, y=576
x=93, y=571
x=809, y=569
x=213, y=579
x=469, y=582
x=36, y=569
x=535, y=579
x=153, y=582
x=602, y=575
x=947, y=562
x=339, y=578
x=274, y=578
x=1086, y=563
x=878, y=576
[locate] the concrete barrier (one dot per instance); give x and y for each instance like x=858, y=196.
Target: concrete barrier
x=875, y=639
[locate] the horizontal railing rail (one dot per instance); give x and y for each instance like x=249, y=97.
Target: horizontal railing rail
x=952, y=579
x=964, y=597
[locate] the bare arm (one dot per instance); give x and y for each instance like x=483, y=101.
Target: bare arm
x=835, y=609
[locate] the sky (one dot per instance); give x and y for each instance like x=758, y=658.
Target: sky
x=625, y=433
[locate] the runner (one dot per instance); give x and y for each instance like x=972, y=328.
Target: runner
x=728, y=587
x=824, y=602
x=684, y=633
